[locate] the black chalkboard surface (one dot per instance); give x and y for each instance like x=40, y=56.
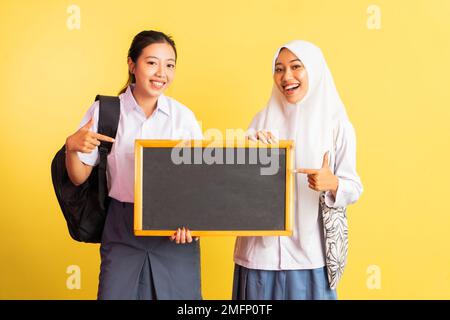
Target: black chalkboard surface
x=213, y=188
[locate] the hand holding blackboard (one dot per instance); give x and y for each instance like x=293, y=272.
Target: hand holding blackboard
x=182, y=236
x=266, y=137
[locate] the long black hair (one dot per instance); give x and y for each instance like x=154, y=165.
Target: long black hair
x=142, y=40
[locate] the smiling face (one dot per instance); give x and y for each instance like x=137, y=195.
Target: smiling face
x=154, y=69
x=290, y=76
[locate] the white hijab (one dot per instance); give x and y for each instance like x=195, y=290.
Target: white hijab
x=310, y=123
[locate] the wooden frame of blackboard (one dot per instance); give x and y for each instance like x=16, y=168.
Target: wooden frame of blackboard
x=282, y=144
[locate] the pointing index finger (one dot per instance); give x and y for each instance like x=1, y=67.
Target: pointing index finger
x=102, y=137
x=305, y=171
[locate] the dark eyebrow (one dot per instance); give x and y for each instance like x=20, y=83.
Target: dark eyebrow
x=290, y=61
x=158, y=58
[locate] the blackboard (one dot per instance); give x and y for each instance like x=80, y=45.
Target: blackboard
x=213, y=187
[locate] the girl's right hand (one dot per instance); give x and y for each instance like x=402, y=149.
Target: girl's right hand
x=182, y=235
x=85, y=140
x=264, y=136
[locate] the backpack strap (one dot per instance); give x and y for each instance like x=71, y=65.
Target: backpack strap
x=108, y=118
x=108, y=121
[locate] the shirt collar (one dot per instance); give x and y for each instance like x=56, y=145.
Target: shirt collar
x=130, y=102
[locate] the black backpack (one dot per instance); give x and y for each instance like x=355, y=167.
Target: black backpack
x=85, y=206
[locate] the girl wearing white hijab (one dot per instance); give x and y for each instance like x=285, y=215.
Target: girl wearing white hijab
x=305, y=107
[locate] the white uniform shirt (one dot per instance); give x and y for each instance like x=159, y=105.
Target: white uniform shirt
x=290, y=253
x=170, y=120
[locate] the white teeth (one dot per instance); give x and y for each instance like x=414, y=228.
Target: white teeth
x=291, y=86
x=158, y=84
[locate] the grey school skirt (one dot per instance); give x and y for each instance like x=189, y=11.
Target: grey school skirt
x=136, y=267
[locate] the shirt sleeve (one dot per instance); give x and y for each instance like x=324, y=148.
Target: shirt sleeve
x=350, y=187
x=195, y=129
x=92, y=158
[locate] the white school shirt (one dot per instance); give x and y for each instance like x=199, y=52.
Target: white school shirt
x=289, y=253
x=170, y=120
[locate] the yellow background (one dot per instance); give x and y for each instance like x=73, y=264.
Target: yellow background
x=393, y=81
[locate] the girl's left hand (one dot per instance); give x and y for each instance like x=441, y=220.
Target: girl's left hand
x=321, y=179
x=182, y=235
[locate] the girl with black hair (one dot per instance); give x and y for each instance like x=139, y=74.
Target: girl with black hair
x=139, y=267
